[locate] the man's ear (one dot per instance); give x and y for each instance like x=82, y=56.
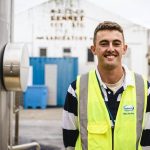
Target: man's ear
x=125, y=49
x=93, y=50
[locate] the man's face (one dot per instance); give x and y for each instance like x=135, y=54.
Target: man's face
x=109, y=48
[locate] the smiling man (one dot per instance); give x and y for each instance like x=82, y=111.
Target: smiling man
x=108, y=108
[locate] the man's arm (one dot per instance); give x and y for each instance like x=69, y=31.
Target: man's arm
x=145, y=140
x=69, y=123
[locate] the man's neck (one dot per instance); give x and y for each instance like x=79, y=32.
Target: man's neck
x=116, y=86
x=111, y=76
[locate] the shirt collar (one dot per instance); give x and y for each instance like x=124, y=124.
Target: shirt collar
x=102, y=84
x=128, y=81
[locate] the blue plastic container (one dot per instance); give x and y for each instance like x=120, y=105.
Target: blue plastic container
x=36, y=97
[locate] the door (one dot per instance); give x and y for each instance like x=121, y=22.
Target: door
x=51, y=83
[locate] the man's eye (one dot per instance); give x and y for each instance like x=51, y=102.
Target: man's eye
x=104, y=44
x=117, y=44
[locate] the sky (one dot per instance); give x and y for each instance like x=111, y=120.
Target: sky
x=137, y=11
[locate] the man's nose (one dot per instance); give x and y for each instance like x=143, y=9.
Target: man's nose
x=111, y=47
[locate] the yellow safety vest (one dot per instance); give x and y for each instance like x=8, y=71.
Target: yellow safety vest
x=95, y=130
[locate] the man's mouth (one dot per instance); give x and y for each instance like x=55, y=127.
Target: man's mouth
x=110, y=55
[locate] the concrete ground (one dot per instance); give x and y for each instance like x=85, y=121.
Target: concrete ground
x=42, y=126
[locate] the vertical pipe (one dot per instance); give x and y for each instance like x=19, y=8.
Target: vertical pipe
x=5, y=15
x=12, y=94
x=17, y=104
x=12, y=22
x=4, y=119
x=11, y=104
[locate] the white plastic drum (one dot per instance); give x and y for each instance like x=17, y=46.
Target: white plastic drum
x=15, y=67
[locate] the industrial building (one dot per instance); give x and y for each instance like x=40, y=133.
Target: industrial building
x=64, y=30
x=56, y=29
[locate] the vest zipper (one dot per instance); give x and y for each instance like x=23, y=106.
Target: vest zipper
x=112, y=129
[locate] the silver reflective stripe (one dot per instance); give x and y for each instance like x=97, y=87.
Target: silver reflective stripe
x=70, y=148
x=140, y=99
x=146, y=148
x=83, y=96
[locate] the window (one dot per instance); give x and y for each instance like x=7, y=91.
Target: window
x=66, y=52
x=90, y=56
x=43, y=52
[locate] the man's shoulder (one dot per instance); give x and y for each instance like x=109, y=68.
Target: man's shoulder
x=144, y=77
x=73, y=84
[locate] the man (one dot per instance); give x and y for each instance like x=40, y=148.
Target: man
x=109, y=107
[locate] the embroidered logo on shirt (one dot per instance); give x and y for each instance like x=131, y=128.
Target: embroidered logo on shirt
x=128, y=109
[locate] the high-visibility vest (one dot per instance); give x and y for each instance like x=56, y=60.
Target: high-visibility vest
x=95, y=129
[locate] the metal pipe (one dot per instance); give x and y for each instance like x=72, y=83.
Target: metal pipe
x=16, y=138
x=12, y=21
x=16, y=112
x=25, y=146
x=11, y=104
x=4, y=95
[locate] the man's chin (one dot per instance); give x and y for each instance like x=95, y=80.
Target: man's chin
x=110, y=66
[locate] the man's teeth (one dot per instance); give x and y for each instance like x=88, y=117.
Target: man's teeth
x=110, y=56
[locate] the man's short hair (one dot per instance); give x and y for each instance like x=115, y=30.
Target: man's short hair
x=107, y=25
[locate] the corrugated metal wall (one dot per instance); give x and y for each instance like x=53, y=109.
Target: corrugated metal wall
x=67, y=70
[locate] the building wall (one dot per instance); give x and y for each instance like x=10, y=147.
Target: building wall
x=136, y=37
x=36, y=22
